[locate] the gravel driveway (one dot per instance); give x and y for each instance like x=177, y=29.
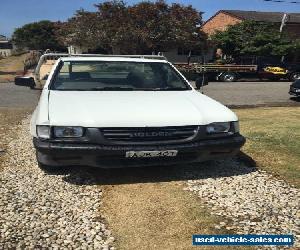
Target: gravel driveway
x=62, y=211
x=252, y=203
x=41, y=211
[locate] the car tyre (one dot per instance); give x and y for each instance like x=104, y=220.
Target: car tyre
x=228, y=77
x=294, y=76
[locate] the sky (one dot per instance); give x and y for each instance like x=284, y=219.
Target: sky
x=15, y=13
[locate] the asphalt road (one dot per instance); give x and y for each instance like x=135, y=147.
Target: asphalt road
x=12, y=96
x=247, y=94
x=237, y=94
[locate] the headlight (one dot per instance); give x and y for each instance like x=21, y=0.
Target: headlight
x=43, y=131
x=68, y=131
x=218, y=127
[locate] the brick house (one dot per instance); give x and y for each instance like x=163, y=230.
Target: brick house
x=224, y=18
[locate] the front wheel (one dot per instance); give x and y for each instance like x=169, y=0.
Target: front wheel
x=294, y=76
x=228, y=77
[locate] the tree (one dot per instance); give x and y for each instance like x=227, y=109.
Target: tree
x=140, y=28
x=79, y=30
x=37, y=36
x=253, y=38
x=160, y=26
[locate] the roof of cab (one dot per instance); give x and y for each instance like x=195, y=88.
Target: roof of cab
x=111, y=59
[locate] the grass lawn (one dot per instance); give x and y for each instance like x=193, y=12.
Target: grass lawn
x=273, y=140
x=158, y=216
x=10, y=66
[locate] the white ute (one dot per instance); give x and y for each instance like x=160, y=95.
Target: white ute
x=117, y=111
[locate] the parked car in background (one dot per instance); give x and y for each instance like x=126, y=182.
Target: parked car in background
x=242, y=68
x=234, y=72
x=295, y=88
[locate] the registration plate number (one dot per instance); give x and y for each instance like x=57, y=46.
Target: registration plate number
x=150, y=154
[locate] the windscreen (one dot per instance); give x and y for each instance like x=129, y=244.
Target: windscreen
x=123, y=76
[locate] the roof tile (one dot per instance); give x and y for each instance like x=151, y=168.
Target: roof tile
x=274, y=17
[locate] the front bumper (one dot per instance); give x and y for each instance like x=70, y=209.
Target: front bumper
x=104, y=156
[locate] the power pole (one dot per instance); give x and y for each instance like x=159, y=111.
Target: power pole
x=285, y=18
x=283, y=21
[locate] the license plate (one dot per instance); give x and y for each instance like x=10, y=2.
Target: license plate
x=150, y=154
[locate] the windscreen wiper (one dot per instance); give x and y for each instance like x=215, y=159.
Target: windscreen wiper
x=106, y=89
x=113, y=88
x=169, y=89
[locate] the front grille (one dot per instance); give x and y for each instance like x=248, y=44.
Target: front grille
x=150, y=134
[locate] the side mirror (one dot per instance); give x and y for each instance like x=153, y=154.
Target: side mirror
x=201, y=81
x=26, y=81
